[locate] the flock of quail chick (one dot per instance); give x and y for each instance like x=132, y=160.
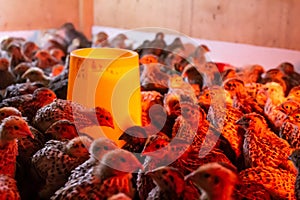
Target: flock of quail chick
x=209, y=130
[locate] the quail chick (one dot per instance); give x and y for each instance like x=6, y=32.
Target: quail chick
x=68, y=33
x=11, y=129
x=61, y=130
x=9, y=111
x=64, y=109
x=29, y=49
x=262, y=147
x=152, y=78
x=198, y=56
x=149, y=98
x=290, y=129
x=251, y=74
x=193, y=77
x=28, y=104
x=215, y=181
x=294, y=94
x=20, y=69
x=169, y=183
x=7, y=78
x=16, y=56
x=97, y=150
x=8, y=188
x=119, y=42
x=135, y=138
x=21, y=89
x=45, y=59
x=276, y=75
x=157, y=46
x=100, y=39
x=183, y=90
x=111, y=176
x=35, y=74
x=56, y=160
x=278, y=114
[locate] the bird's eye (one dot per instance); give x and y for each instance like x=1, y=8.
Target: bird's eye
x=56, y=128
x=105, y=147
x=123, y=160
x=2, y=114
x=16, y=127
x=164, y=172
x=206, y=175
x=157, y=146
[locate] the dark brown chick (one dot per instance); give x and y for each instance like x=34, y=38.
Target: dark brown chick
x=7, y=78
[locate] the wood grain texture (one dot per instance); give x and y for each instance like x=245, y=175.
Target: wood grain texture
x=271, y=23
x=37, y=14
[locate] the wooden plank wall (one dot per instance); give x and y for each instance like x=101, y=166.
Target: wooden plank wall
x=271, y=23
x=45, y=14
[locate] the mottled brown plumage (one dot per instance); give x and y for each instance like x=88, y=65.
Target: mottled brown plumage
x=262, y=147
x=279, y=183
x=28, y=104
x=64, y=109
x=111, y=176
x=56, y=160
x=8, y=188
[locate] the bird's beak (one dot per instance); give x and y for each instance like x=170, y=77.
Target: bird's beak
x=25, y=132
x=290, y=158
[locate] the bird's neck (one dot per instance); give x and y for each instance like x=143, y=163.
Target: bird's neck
x=4, y=142
x=222, y=193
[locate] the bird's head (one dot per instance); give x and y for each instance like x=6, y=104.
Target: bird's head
x=78, y=147
x=57, y=53
x=156, y=145
x=117, y=162
x=42, y=55
x=34, y=74
x=252, y=120
x=44, y=96
x=294, y=93
x=287, y=68
x=288, y=106
x=101, y=146
x=9, y=111
x=14, y=127
x=168, y=179
x=21, y=68
x=62, y=129
x=295, y=158
x=214, y=178
x=104, y=117
x=234, y=86
x=4, y=64
x=294, y=117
